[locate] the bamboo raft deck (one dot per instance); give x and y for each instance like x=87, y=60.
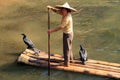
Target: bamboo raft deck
x=94, y=67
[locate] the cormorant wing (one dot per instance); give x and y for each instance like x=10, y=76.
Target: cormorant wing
x=29, y=42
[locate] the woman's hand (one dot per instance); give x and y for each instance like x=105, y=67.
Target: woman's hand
x=49, y=7
x=50, y=31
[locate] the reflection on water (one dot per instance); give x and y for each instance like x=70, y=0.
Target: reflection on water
x=14, y=71
x=100, y=50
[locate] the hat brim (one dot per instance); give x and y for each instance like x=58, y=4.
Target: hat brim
x=70, y=8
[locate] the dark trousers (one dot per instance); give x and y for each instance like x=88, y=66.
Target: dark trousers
x=67, y=47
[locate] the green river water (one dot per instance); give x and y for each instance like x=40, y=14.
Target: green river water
x=96, y=27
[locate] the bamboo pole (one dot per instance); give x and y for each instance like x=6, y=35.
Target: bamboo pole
x=48, y=43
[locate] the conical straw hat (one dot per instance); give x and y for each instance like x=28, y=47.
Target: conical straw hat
x=66, y=5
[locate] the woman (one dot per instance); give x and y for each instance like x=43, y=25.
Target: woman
x=67, y=27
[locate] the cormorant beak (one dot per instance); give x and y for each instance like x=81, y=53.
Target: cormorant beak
x=22, y=34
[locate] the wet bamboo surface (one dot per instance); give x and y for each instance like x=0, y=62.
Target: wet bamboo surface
x=94, y=67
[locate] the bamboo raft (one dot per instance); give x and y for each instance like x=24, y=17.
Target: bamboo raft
x=94, y=67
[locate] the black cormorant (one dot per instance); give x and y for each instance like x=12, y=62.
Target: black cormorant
x=30, y=44
x=83, y=55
